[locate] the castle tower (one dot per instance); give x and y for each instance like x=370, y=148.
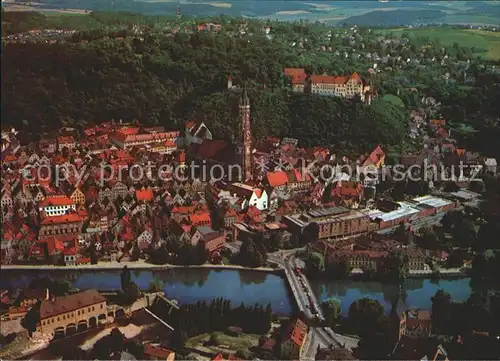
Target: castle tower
x=244, y=108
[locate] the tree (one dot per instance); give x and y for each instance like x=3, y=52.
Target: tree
x=126, y=278
x=32, y=318
x=464, y=233
x=402, y=234
x=331, y=311
x=487, y=236
x=156, y=285
x=244, y=354
x=93, y=255
x=130, y=294
x=396, y=266
x=250, y=255
x=365, y=316
x=451, y=187
x=315, y=264
x=427, y=239
x=136, y=253
x=109, y=344
x=441, y=312
x=276, y=242
x=214, y=339
x=450, y=219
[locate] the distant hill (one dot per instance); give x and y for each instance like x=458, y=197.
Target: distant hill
x=396, y=17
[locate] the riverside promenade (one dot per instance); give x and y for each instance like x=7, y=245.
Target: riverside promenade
x=138, y=265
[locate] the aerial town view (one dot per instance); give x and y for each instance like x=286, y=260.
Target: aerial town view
x=250, y=180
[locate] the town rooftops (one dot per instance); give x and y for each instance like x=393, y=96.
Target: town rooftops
x=432, y=201
x=324, y=216
x=327, y=212
x=67, y=218
x=328, y=79
x=244, y=190
x=465, y=195
x=404, y=210
x=298, y=75
x=58, y=200
x=60, y=305
x=66, y=140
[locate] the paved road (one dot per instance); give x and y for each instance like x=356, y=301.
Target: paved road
x=325, y=337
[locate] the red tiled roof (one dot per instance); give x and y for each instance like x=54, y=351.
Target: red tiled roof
x=200, y=218
x=328, y=79
x=82, y=260
x=181, y=157
x=218, y=357
x=91, y=194
x=276, y=179
x=169, y=143
x=65, y=304
x=190, y=124
x=356, y=77
x=183, y=210
x=210, y=148
x=375, y=156
x=297, y=332
x=65, y=139
x=69, y=251
x=145, y=195
x=128, y=130
x=298, y=75
x=159, y=353
x=348, y=189
x=67, y=218
x=58, y=200
x=231, y=212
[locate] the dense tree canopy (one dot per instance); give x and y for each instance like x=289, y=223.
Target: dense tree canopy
x=170, y=79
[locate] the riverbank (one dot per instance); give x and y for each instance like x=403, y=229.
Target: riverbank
x=131, y=265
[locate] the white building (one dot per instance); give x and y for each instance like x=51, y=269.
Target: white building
x=57, y=205
x=252, y=196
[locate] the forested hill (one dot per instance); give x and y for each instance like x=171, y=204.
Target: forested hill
x=129, y=66
x=170, y=79
x=396, y=17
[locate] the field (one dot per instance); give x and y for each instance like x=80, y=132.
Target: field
x=489, y=41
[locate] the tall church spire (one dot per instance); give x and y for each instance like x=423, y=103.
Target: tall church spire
x=244, y=108
x=244, y=100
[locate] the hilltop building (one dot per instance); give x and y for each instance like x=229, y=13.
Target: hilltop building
x=343, y=86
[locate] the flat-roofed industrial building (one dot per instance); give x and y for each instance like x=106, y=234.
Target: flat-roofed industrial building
x=332, y=222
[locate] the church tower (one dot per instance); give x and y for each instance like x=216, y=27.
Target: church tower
x=244, y=108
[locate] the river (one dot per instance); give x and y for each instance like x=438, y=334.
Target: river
x=250, y=287
x=417, y=292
